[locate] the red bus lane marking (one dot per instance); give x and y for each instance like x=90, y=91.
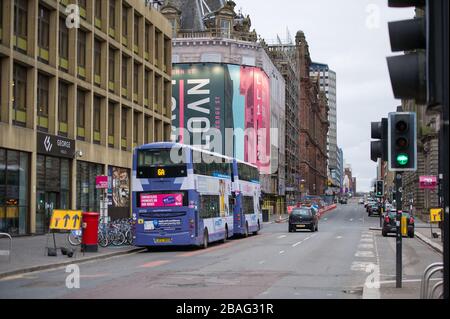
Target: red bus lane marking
x=155, y=263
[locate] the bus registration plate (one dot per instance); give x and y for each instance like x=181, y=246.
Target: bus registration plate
x=163, y=240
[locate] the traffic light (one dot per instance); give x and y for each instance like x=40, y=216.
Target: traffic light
x=408, y=71
x=378, y=149
x=379, y=189
x=418, y=74
x=402, y=141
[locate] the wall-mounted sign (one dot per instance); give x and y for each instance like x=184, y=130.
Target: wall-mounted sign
x=48, y=144
x=427, y=182
x=101, y=182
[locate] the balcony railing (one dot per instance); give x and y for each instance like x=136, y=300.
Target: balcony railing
x=217, y=33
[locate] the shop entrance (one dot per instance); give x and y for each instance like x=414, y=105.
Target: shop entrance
x=47, y=202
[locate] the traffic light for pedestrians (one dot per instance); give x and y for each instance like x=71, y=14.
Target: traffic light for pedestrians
x=408, y=71
x=378, y=149
x=379, y=189
x=402, y=141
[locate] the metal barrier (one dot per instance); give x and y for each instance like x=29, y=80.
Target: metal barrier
x=7, y=252
x=426, y=277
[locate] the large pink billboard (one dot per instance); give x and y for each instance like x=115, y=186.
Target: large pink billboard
x=161, y=200
x=209, y=97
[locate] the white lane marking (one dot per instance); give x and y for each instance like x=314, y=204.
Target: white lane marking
x=262, y=262
x=371, y=288
x=297, y=243
x=326, y=218
x=351, y=219
x=338, y=237
x=360, y=265
x=365, y=254
x=282, y=236
x=281, y=252
x=365, y=246
x=367, y=240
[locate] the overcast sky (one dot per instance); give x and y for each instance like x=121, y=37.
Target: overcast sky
x=351, y=36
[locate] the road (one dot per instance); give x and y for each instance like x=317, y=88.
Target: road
x=334, y=262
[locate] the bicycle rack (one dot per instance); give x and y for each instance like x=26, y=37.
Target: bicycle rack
x=7, y=252
x=426, y=277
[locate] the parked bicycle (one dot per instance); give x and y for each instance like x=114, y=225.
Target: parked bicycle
x=118, y=232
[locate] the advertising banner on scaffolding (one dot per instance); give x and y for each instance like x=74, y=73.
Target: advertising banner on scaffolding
x=223, y=108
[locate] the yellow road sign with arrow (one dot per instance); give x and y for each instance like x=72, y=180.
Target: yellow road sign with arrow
x=65, y=219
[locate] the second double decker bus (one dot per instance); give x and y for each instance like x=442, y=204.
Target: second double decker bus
x=187, y=196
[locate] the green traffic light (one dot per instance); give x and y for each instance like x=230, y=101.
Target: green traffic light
x=402, y=159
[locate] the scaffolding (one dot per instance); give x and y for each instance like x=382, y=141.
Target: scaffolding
x=283, y=55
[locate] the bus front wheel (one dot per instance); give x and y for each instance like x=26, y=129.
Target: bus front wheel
x=205, y=239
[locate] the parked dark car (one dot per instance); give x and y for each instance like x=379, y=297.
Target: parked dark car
x=303, y=218
x=343, y=200
x=389, y=223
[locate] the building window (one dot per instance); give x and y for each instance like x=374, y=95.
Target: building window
x=43, y=34
x=97, y=61
x=111, y=108
x=63, y=45
x=20, y=24
x=19, y=97
x=42, y=102
x=98, y=11
x=112, y=15
x=14, y=191
x=146, y=88
x=88, y=197
x=97, y=116
x=146, y=130
x=81, y=110
x=82, y=5
x=135, y=128
x=52, y=188
x=136, y=33
x=147, y=41
x=63, y=101
x=225, y=27
x=136, y=80
x=124, y=74
x=125, y=25
x=81, y=54
x=111, y=69
x=124, y=128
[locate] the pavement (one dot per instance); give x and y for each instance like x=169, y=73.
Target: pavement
x=424, y=232
x=345, y=259
x=29, y=254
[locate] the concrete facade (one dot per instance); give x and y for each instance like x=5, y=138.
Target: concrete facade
x=327, y=83
x=106, y=96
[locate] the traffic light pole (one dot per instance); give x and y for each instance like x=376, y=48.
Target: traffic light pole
x=398, y=203
x=444, y=151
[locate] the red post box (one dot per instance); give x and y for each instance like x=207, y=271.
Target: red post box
x=89, y=241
